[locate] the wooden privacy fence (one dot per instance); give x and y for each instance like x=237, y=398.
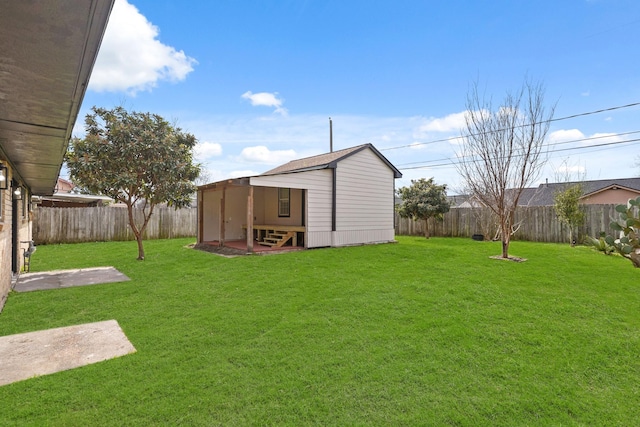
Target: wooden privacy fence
x=74, y=225
x=537, y=224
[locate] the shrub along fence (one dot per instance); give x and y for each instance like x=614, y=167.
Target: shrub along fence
x=537, y=224
x=74, y=225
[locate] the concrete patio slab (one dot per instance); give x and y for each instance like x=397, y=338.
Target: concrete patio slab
x=67, y=278
x=45, y=352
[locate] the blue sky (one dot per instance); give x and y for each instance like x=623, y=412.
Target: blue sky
x=256, y=81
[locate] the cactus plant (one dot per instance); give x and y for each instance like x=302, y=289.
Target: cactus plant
x=600, y=244
x=628, y=224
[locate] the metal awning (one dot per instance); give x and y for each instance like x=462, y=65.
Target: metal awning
x=47, y=52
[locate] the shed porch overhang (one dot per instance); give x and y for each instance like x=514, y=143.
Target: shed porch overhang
x=236, y=198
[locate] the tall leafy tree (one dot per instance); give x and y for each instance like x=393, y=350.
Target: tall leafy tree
x=135, y=158
x=424, y=199
x=567, y=207
x=502, y=151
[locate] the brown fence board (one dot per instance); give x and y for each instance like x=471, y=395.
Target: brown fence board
x=537, y=224
x=99, y=224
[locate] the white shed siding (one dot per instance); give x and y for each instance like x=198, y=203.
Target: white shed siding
x=364, y=199
x=358, y=237
x=318, y=184
x=319, y=239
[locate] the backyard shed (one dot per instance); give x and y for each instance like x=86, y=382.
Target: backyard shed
x=341, y=198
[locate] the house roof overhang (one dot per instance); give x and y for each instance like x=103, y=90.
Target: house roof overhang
x=47, y=52
x=77, y=198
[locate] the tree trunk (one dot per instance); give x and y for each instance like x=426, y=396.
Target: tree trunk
x=634, y=256
x=426, y=228
x=571, y=237
x=506, y=239
x=140, y=247
x=136, y=232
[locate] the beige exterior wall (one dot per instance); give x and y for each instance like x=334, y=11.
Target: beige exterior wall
x=235, y=213
x=611, y=196
x=266, y=206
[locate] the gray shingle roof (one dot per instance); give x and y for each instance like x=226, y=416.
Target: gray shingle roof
x=327, y=160
x=544, y=194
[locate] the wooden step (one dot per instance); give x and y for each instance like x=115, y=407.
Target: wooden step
x=277, y=238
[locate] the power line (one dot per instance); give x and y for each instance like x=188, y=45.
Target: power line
x=453, y=163
x=573, y=116
x=551, y=144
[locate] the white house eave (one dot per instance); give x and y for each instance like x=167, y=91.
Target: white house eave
x=47, y=52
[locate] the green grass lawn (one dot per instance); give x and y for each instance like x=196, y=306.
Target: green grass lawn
x=424, y=332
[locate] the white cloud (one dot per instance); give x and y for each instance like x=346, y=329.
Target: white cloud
x=262, y=154
x=266, y=99
x=564, y=135
x=603, y=138
x=451, y=123
x=206, y=150
x=456, y=140
x=131, y=58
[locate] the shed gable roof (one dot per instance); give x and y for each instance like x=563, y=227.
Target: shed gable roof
x=328, y=160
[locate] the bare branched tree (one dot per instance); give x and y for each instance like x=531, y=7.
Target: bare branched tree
x=503, y=150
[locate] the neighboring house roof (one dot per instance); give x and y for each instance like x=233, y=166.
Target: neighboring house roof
x=64, y=186
x=592, y=187
x=87, y=199
x=64, y=197
x=457, y=200
x=328, y=160
x=544, y=194
x=47, y=49
x=533, y=196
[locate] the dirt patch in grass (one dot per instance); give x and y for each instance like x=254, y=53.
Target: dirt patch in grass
x=510, y=258
x=219, y=250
